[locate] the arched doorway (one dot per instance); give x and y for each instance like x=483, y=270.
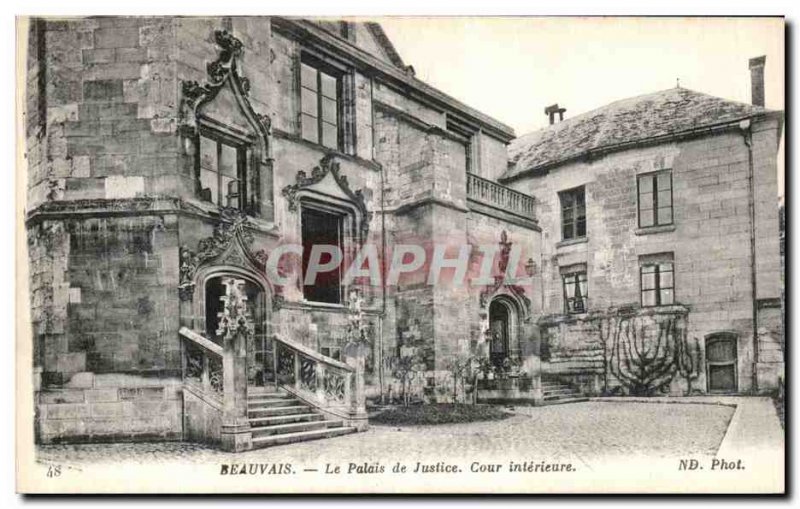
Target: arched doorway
x=259, y=349
x=499, y=332
x=721, y=362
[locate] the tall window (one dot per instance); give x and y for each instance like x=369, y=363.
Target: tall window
x=655, y=198
x=223, y=170
x=573, y=213
x=320, y=91
x=322, y=228
x=576, y=291
x=472, y=143
x=657, y=283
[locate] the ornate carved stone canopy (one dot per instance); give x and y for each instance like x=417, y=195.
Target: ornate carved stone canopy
x=329, y=166
x=228, y=245
x=222, y=71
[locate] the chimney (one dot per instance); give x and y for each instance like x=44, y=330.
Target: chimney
x=757, y=80
x=552, y=110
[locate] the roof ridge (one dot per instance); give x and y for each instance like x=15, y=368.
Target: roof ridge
x=618, y=123
x=635, y=98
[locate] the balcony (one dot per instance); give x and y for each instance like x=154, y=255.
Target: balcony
x=499, y=197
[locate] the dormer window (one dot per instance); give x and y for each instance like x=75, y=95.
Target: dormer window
x=223, y=169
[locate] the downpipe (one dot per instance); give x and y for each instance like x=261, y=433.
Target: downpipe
x=747, y=134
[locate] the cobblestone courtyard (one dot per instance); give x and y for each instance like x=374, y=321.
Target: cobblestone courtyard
x=579, y=432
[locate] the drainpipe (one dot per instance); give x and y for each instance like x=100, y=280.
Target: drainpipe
x=747, y=134
x=379, y=360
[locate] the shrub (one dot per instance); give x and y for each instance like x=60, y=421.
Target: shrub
x=444, y=413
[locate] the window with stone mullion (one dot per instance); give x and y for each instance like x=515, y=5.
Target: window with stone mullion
x=573, y=214
x=222, y=170
x=319, y=106
x=657, y=283
x=576, y=292
x=655, y=199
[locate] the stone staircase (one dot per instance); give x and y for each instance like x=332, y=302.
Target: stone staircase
x=555, y=392
x=278, y=418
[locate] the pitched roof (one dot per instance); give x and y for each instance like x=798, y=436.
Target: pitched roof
x=635, y=119
x=377, y=31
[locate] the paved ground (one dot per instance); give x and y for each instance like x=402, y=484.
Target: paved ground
x=580, y=433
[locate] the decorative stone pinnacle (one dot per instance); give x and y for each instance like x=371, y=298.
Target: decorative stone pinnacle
x=233, y=318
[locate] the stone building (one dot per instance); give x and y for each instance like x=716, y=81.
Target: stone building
x=170, y=160
x=659, y=209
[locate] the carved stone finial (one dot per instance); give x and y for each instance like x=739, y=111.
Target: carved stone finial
x=505, y=251
x=234, y=318
x=188, y=268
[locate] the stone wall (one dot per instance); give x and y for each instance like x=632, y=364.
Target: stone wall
x=102, y=305
x=106, y=99
x=110, y=407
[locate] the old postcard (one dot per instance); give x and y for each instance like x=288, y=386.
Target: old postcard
x=272, y=254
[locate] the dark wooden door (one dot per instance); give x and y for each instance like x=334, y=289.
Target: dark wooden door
x=721, y=363
x=498, y=329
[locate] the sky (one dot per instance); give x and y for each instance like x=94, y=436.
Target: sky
x=512, y=67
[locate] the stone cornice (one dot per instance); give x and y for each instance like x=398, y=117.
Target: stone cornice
x=417, y=122
x=151, y=206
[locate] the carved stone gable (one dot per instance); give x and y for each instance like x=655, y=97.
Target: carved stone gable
x=228, y=245
x=327, y=179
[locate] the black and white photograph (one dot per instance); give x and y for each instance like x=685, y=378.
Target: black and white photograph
x=274, y=254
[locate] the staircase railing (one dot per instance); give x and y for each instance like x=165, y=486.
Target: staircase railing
x=215, y=390
x=203, y=387
x=202, y=365
x=335, y=388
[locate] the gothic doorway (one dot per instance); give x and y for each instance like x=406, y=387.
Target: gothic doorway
x=499, y=331
x=259, y=349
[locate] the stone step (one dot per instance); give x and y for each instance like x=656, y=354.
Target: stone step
x=560, y=390
x=256, y=404
x=272, y=395
x=269, y=389
x=267, y=395
x=565, y=395
x=285, y=419
x=552, y=385
x=281, y=429
x=301, y=436
x=563, y=401
x=279, y=410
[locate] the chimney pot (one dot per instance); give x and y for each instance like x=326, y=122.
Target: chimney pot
x=552, y=110
x=757, y=80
